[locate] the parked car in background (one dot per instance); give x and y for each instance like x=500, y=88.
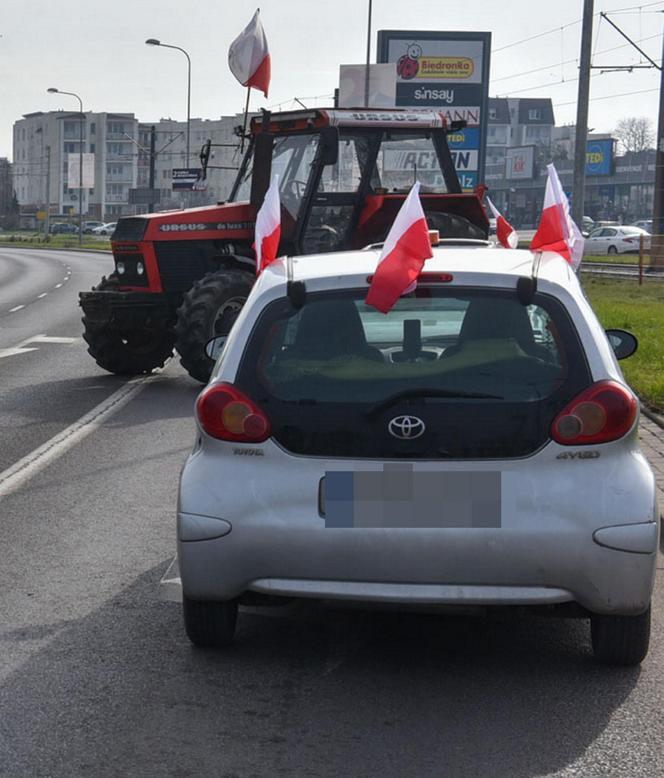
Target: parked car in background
x=90, y=226
x=644, y=224
x=476, y=446
x=63, y=228
x=614, y=240
x=587, y=226
x=105, y=229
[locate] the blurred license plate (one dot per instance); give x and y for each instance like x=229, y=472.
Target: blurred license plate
x=398, y=496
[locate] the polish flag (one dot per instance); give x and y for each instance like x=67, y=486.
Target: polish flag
x=556, y=231
x=249, y=58
x=268, y=227
x=506, y=234
x=405, y=250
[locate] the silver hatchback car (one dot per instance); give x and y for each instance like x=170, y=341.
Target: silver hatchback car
x=475, y=446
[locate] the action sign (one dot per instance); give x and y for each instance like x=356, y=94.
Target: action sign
x=188, y=179
x=448, y=71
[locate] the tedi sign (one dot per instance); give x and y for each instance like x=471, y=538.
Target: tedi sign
x=448, y=71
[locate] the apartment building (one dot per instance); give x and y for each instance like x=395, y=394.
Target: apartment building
x=43, y=142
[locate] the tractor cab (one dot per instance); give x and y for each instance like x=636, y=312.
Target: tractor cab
x=181, y=277
x=344, y=174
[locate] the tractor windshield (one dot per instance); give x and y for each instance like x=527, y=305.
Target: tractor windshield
x=291, y=161
x=404, y=159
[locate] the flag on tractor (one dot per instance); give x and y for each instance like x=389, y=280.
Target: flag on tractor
x=506, y=234
x=556, y=230
x=268, y=227
x=249, y=57
x=405, y=250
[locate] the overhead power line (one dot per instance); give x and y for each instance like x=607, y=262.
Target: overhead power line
x=609, y=97
x=569, y=24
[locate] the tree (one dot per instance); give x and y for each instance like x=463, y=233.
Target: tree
x=634, y=134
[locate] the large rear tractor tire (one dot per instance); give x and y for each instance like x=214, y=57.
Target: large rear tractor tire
x=208, y=309
x=130, y=352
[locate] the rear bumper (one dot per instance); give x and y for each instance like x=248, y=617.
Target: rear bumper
x=444, y=566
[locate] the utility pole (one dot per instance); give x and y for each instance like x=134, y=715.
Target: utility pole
x=581, y=130
x=367, y=66
x=47, y=219
x=656, y=258
x=153, y=156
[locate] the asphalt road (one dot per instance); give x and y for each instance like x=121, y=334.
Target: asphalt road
x=98, y=679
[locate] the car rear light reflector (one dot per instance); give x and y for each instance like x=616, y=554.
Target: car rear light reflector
x=225, y=413
x=428, y=278
x=603, y=412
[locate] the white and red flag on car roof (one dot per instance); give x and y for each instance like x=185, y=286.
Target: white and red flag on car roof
x=405, y=250
x=249, y=57
x=506, y=234
x=268, y=227
x=556, y=231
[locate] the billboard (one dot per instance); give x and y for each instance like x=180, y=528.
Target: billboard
x=519, y=163
x=352, y=83
x=599, y=157
x=188, y=179
x=448, y=71
x=73, y=170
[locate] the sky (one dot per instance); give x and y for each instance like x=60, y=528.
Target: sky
x=97, y=49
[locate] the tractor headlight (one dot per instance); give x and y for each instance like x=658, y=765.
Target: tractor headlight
x=120, y=267
x=140, y=268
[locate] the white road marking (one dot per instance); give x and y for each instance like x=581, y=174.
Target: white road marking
x=57, y=286
x=43, y=294
x=53, y=339
x=37, y=460
x=24, y=348
x=17, y=308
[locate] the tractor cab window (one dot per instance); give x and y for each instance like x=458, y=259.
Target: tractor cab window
x=335, y=200
x=291, y=161
x=404, y=159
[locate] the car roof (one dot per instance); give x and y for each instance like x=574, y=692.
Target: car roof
x=482, y=261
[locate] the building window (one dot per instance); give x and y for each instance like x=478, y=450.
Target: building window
x=493, y=114
x=535, y=114
x=92, y=128
x=92, y=148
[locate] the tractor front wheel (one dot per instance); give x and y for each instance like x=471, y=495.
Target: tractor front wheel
x=209, y=309
x=127, y=353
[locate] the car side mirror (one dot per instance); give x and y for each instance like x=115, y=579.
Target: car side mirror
x=329, y=145
x=623, y=343
x=214, y=346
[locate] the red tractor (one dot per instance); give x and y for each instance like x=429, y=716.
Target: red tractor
x=181, y=277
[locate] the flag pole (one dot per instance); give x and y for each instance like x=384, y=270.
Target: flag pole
x=244, y=126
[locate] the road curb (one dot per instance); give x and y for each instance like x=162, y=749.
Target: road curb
x=54, y=248
x=653, y=415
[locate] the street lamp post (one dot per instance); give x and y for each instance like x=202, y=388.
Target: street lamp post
x=53, y=90
x=155, y=42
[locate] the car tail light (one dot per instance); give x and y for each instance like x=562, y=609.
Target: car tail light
x=631, y=240
x=227, y=414
x=603, y=412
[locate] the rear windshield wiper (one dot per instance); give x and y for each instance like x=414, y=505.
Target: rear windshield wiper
x=407, y=393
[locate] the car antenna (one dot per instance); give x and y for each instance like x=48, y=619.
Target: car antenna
x=296, y=291
x=526, y=287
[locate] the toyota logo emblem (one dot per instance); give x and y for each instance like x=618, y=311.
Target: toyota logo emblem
x=406, y=427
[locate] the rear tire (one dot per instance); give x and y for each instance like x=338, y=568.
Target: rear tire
x=130, y=352
x=620, y=640
x=209, y=308
x=612, y=250
x=209, y=624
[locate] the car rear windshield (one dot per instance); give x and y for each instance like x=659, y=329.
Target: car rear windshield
x=483, y=374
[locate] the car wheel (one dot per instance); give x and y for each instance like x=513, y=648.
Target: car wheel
x=612, y=250
x=209, y=624
x=620, y=640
